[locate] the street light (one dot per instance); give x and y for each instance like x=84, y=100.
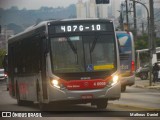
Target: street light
x=149, y=40
x=148, y=17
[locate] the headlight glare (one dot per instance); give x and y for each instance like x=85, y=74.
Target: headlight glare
x=55, y=83
x=115, y=80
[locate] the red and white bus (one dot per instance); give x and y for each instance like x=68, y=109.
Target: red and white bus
x=73, y=61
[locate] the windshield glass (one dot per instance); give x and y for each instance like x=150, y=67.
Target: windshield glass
x=83, y=53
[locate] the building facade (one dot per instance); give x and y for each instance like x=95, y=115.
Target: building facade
x=5, y=34
x=90, y=9
x=81, y=9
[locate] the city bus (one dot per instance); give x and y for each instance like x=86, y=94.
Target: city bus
x=127, y=58
x=68, y=61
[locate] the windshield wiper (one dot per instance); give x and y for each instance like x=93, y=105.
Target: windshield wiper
x=71, y=45
x=93, y=44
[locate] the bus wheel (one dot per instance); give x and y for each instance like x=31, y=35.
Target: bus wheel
x=102, y=104
x=123, y=88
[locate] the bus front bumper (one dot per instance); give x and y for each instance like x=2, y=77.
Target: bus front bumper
x=110, y=93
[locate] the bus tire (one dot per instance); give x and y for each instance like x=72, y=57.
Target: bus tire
x=102, y=104
x=123, y=88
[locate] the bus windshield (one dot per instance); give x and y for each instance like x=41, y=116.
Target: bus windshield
x=84, y=53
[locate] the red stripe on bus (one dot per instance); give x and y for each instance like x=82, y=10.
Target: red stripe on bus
x=86, y=84
x=23, y=88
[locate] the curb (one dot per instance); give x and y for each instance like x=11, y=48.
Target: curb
x=136, y=107
x=148, y=87
x=139, y=86
x=154, y=87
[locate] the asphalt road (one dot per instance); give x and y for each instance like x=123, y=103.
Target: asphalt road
x=133, y=100
x=144, y=99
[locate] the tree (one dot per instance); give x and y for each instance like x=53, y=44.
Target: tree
x=141, y=42
x=14, y=8
x=15, y=28
x=2, y=54
x=157, y=42
x=38, y=20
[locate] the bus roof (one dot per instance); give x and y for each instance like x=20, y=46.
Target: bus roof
x=27, y=31
x=82, y=19
x=43, y=24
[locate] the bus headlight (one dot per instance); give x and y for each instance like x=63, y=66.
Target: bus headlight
x=114, y=80
x=55, y=83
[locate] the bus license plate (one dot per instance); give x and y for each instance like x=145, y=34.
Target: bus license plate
x=87, y=96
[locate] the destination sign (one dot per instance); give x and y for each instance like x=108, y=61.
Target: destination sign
x=83, y=27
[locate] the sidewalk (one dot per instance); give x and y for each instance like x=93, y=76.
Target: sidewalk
x=145, y=84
